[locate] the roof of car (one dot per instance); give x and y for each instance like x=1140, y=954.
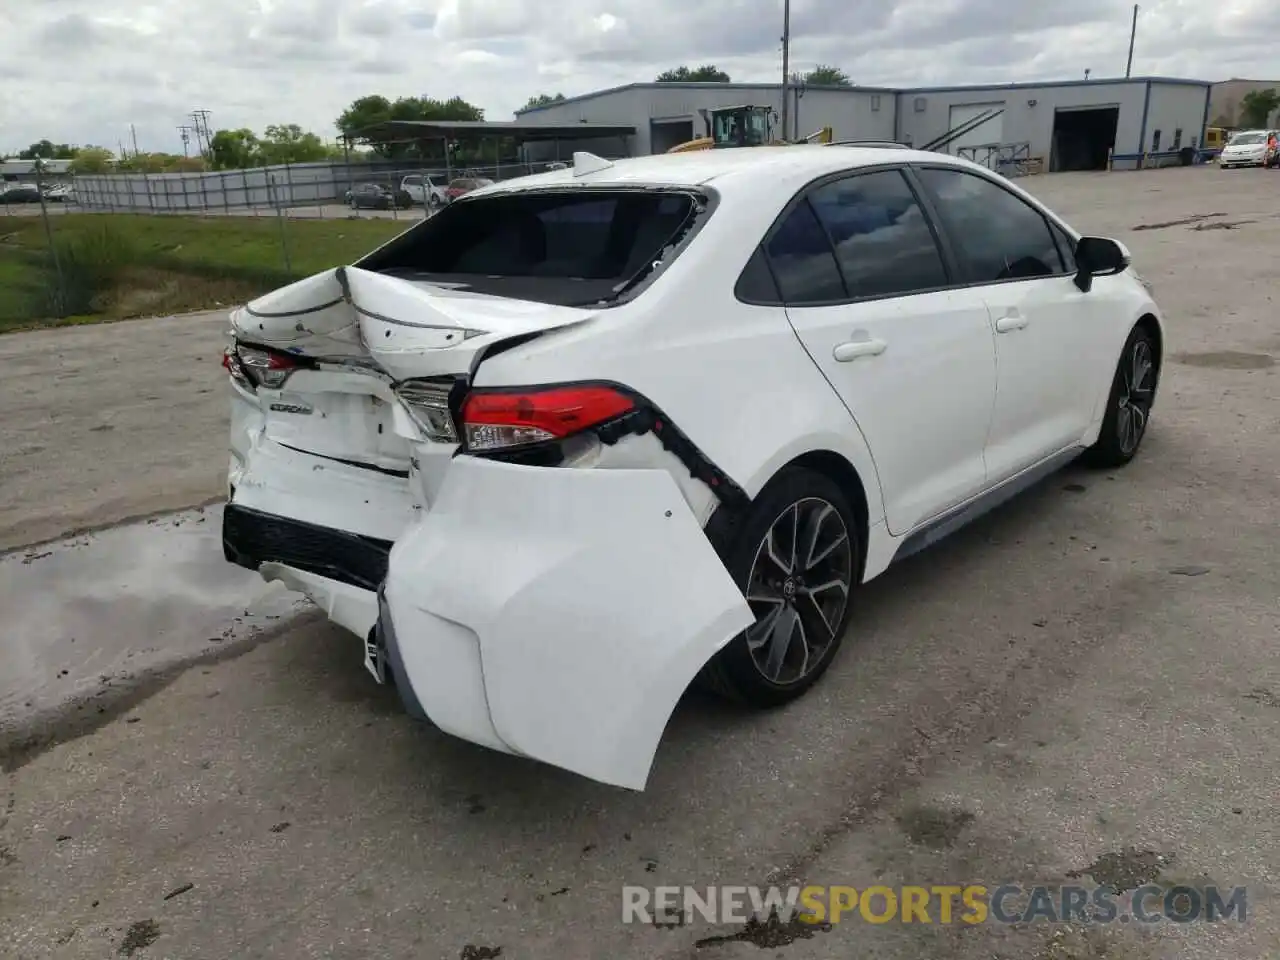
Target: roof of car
x=752, y=167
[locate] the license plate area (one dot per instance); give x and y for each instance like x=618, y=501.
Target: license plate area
x=338, y=420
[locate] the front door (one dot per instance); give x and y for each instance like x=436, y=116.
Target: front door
x=1044, y=326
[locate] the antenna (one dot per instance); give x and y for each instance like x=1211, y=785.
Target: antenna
x=584, y=163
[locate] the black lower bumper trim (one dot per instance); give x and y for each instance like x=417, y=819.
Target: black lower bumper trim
x=251, y=538
x=385, y=637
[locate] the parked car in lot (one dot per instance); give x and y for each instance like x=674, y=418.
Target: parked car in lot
x=19, y=193
x=377, y=196
x=59, y=193
x=423, y=190
x=592, y=435
x=464, y=185
x=1247, y=148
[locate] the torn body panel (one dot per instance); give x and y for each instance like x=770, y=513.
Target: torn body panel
x=478, y=592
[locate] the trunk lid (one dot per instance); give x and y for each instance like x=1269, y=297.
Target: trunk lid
x=349, y=335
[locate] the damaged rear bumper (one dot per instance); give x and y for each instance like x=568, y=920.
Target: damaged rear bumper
x=557, y=614
x=320, y=527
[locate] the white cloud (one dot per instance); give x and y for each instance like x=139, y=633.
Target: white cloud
x=83, y=72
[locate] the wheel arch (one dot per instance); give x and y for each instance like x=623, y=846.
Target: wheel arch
x=1152, y=325
x=836, y=467
x=844, y=475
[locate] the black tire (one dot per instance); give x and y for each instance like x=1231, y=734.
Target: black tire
x=1128, y=402
x=735, y=672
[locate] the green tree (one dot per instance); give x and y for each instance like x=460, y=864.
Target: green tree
x=47, y=150
x=234, y=149
x=289, y=143
x=825, y=75
x=543, y=100
x=92, y=160
x=1256, y=106
x=367, y=112
x=148, y=163
x=707, y=73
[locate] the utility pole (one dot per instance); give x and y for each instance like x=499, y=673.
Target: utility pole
x=204, y=141
x=184, y=131
x=786, y=64
x=133, y=135
x=1133, y=33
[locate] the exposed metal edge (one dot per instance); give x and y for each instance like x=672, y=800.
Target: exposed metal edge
x=966, y=513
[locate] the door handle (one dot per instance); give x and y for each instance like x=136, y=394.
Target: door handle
x=1010, y=322
x=853, y=349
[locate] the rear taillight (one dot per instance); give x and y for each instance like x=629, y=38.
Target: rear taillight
x=500, y=419
x=427, y=402
x=261, y=368
x=235, y=369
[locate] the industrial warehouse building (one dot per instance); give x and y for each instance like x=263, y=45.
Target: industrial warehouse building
x=1063, y=125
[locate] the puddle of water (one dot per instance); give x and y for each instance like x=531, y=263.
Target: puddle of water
x=122, y=601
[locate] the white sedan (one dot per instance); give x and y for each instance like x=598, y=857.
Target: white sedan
x=588, y=436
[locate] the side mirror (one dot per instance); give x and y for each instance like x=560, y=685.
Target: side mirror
x=1099, y=257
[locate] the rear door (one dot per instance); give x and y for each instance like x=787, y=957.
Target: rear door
x=1047, y=331
x=868, y=292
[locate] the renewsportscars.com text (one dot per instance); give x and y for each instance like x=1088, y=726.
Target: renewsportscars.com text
x=934, y=904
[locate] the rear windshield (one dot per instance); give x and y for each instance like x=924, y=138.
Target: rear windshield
x=575, y=248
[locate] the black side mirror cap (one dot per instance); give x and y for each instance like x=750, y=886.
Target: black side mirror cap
x=1099, y=257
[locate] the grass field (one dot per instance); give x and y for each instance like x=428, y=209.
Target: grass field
x=115, y=266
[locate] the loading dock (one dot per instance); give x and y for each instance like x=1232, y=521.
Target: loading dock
x=666, y=132
x=1083, y=137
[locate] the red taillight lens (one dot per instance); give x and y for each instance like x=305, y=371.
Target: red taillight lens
x=265, y=368
x=492, y=419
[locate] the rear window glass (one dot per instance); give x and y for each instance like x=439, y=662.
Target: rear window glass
x=573, y=247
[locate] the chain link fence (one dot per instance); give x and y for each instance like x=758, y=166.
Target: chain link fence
x=311, y=190
x=199, y=240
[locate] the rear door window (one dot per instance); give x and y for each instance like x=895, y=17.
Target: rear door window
x=883, y=242
x=802, y=259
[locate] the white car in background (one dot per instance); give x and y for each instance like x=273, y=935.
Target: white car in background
x=1247, y=148
x=423, y=190
x=586, y=436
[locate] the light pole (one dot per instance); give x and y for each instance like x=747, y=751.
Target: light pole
x=1133, y=33
x=786, y=64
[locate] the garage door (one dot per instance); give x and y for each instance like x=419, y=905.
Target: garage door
x=665, y=134
x=987, y=133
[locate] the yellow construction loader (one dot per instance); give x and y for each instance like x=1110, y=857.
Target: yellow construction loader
x=745, y=126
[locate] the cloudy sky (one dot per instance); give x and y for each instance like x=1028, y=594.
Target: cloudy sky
x=82, y=71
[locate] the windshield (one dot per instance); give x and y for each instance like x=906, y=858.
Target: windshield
x=573, y=248
x=1245, y=139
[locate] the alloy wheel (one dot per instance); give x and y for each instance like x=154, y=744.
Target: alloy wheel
x=1136, y=393
x=798, y=590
